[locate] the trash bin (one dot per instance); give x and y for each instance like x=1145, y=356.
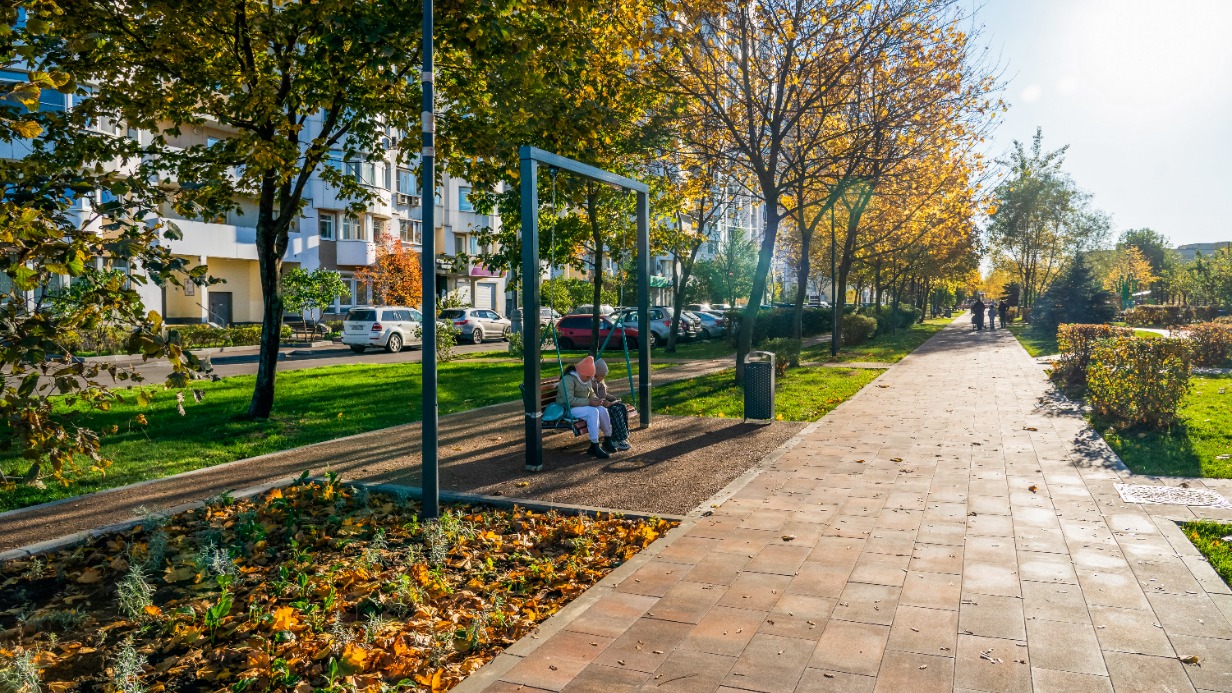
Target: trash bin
x=759, y=385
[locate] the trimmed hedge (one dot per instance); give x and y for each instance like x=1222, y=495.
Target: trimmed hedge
x=102, y=341
x=1139, y=381
x=889, y=319
x=1149, y=315
x=206, y=337
x=1076, y=342
x=777, y=323
x=1211, y=344
x=857, y=329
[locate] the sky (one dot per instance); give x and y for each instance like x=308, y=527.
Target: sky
x=1140, y=91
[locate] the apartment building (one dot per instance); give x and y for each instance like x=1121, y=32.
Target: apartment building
x=325, y=235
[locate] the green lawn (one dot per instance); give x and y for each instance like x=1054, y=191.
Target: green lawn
x=1034, y=342
x=1192, y=448
x=805, y=394
x=888, y=348
x=311, y=406
x=1208, y=536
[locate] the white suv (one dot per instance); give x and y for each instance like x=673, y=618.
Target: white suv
x=391, y=327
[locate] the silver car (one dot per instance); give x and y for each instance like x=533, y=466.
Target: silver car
x=391, y=327
x=477, y=324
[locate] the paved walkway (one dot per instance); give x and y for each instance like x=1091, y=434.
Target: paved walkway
x=938, y=532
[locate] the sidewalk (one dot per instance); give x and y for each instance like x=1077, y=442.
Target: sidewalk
x=938, y=532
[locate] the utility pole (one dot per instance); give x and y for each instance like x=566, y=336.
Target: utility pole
x=429, y=462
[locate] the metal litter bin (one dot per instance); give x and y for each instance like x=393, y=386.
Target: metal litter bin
x=759, y=385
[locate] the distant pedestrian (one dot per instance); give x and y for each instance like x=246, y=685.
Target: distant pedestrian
x=1004, y=310
x=977, y=314
x=992, y=315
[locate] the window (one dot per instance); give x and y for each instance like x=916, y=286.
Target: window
x=211, y=141
x=407, y=185
x=334, y=160
x=411, y=230
x=416, y=316
x=50, y=100
x=473, y=245
x=361, y=315
x=379, y=229
x=390, y=315
x=352, y=228
x=464, y=200
x=325, y=225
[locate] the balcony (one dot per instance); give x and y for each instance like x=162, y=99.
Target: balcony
x=213, y=240
x=356, y=253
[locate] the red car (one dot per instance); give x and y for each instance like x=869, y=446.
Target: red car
x=573, y=332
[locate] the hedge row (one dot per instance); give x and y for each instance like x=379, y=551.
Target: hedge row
x=1210, y=344
x=1139, y=381
x=206, y=337
x=857, y=329
x=778, y=323
x=1156, y=315
x=1076, y=342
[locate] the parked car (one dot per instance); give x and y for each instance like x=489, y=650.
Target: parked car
x=390, y=327
x=548, y=316
x=713, y=326
x=573, y=332
x=589, y=309
x=478, y=324
x=720, y=306
x=697, y=306
x=661, y=324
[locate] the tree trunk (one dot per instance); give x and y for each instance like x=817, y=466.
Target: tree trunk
x=764, y=256
x=269, y=264
x=802, y=273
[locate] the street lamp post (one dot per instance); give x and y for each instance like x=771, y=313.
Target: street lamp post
x=430, y=483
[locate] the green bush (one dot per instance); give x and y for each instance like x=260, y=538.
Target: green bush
x=207, y=337
x=102, y=341
x=1148, y=315
x=890, y=319
x=1138, y=381
x=1206, y=313
x=777, y=323
x=515, y=345
x=857, y=329
x=785, y=351
x=446, y=339
x=1211, y=344
x=1075, y=343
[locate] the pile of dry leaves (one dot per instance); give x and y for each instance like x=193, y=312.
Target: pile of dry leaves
x=317, y=586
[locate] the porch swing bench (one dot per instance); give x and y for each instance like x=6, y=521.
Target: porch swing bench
x=547, y=396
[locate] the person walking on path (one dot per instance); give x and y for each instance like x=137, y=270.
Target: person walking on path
x=578, y=396
x=977, y=314
x=1004, y=310
x=615, y=408
x=992, y=315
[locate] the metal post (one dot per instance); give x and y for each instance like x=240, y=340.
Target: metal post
x=429, y=464
x=643, y=308
x=833, y=292
x=530, y=313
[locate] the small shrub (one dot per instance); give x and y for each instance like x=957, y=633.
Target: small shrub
x=515, y=346
x=22, y=675
x=1075, y=342
x=1223, y=320
x=778, y=323
x=1138, y=381
x=1211, y=344
x=446, y=339
x=1149, y=315
x=134, y=593
x=786, y=351
x=857, y=329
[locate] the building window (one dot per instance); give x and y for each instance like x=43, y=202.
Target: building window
x=325, y=225
x=380, y=228
x=473, y=247
x=411, y=231
x=334, y=160
x=464, y=200
x=407, y=185
x=353, y=229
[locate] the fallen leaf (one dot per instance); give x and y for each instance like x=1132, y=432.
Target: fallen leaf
x=788, y=537
x=88, y=576
x=1033, y=488
x=1191, y=659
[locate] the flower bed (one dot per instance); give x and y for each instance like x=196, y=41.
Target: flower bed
x=317, y=586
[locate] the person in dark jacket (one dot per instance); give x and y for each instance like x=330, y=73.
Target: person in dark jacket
x=615, y=408
x=1004, y=310
x=977, y=314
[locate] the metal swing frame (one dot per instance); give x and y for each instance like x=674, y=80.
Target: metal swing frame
x=531, y=159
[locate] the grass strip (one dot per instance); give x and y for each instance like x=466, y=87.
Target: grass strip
x=1214, y=540
x=1199, y=446
x=805, y=394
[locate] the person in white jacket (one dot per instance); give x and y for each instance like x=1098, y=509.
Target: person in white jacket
x=576, y=394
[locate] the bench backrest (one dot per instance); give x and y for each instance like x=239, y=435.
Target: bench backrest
x=547, y=392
